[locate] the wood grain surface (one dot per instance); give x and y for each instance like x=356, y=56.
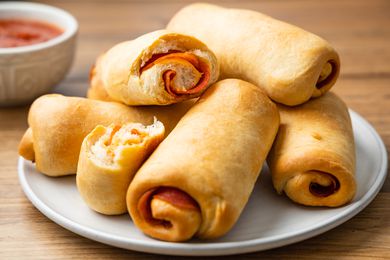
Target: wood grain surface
x=359, y=30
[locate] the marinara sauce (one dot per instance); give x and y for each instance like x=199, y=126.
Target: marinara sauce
x=20, y=32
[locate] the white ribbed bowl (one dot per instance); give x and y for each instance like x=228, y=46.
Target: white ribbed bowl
x=29, y=71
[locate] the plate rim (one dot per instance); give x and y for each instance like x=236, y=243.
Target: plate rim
x=217, y=248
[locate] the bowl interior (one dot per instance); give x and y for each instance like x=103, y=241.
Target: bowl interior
x=39, y=12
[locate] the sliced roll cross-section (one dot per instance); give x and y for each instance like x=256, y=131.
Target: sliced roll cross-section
x=313, y=158
x=109, y=158
x=158, y=68
x=198, y=180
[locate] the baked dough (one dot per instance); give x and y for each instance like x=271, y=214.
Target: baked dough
x=290, y=64
x=198, y=180
x=158, y=68
x=58, y=125
x=109, y=158
x=313, y=158
x=96, y=89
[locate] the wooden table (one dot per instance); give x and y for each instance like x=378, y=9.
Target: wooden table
x=359, y=30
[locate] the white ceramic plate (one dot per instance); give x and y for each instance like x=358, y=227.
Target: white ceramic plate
x=268, y=221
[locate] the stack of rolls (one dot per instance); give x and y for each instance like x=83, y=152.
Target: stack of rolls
x=313, y=157
x=161, y=138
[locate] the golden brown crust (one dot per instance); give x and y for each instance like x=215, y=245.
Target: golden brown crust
x=98, y=92
x=59, y=125
x=315, y=142
x=26, y=146
x=96, y=89
x=284, y=60
x=214, y=154
x=119, y=70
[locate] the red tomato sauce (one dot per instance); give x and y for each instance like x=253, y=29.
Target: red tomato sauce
x=19, y=32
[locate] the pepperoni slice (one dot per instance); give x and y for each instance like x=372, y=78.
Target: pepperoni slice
x=171, y=195
x=169, y=75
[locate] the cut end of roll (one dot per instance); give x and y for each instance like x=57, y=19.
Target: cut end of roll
x=327, y=76
x=109, y=158
x=168, y=214
x=115, y=144
x=193, y=77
